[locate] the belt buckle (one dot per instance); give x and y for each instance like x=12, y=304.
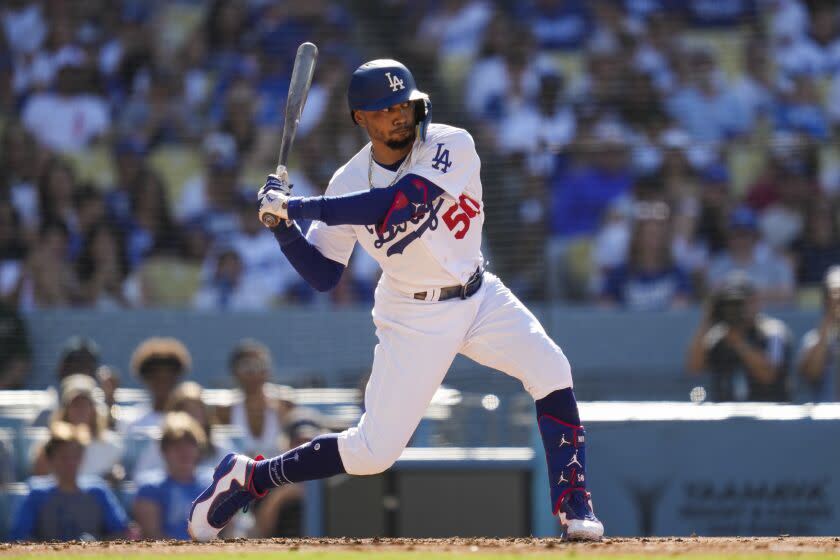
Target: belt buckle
x=476, y=276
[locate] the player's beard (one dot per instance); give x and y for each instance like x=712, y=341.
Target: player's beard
x=404, y=142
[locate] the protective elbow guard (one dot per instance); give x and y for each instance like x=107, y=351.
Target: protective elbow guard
x=411, y=199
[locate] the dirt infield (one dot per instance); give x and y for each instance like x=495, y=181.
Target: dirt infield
x=673, y=546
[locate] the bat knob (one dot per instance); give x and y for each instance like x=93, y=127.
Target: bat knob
x=270, y=220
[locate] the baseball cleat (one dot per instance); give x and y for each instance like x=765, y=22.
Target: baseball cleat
x=578, y=520
x=232, y=489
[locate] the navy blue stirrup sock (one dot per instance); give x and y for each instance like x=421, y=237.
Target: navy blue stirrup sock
x=311, y=461
x=561, y=405
x=565, y=445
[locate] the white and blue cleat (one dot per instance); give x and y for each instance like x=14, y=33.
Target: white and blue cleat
x=232, y=490
x=578, y=519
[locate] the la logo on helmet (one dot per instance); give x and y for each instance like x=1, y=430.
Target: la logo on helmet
x=395, y=82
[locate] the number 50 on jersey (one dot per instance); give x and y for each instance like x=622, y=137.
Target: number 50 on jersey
x=458, y=217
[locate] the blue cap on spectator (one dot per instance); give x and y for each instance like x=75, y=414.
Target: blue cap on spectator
x=715, y=173
x=743, y=218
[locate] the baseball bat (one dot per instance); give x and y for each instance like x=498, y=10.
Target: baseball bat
x=307, y=55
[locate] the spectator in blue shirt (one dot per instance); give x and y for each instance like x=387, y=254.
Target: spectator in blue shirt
x=802, y=110
x=703, y=105
x=714, y=13
x=649, y=280
x=163, y=502
x=558, y=24
x=68, y=509
x=580, y=195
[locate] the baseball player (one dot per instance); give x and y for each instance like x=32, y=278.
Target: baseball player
x=412, y=197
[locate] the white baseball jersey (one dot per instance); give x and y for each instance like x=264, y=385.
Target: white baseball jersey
x=442, y=247
x=419, y=339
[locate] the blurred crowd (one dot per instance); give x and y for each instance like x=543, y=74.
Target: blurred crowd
x=634, y=153
x=135, y=136
x=644, y=154
x=132, y=469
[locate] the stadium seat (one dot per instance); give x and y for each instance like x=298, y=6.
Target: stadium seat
x=13, y=422
x=453, y=71
x=7, y=454
x=30, y=440
x=11, y=496
x=228, y=434
x=579, y=266
x=809, y=297
x=727, y=44
x=569, y=64
x=829, y=165
x=177, y=21
x=135, y=442
x=824, y=86
x=254, y=176
x=25, y=403
x=176, y=164
x=746, y=163
x=169, y=282
x=93, y=165
x=131, y=395
x=7, y=437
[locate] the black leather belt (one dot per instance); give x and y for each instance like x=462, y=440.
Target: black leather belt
x=463, y=292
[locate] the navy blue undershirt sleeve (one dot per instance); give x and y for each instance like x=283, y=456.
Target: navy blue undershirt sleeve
x=319, y=272
x=374, y=206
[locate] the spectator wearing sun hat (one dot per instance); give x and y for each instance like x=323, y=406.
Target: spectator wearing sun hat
x=160, y=363
x=78, y=355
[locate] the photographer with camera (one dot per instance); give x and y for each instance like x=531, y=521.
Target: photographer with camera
x=747, y=353
x=819, y=357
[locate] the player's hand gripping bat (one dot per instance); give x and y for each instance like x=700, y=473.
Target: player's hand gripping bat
x=307, y=55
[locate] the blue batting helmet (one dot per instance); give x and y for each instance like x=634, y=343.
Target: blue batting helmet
x=382, y=83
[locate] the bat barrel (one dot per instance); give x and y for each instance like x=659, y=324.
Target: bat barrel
x=304, y=68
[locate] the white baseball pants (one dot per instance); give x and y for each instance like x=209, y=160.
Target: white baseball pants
x=418, y=341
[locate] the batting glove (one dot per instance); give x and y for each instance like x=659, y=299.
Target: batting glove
x=279, y=180
x=274, y=202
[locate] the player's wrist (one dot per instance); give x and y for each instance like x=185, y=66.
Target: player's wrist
x=286, y=232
